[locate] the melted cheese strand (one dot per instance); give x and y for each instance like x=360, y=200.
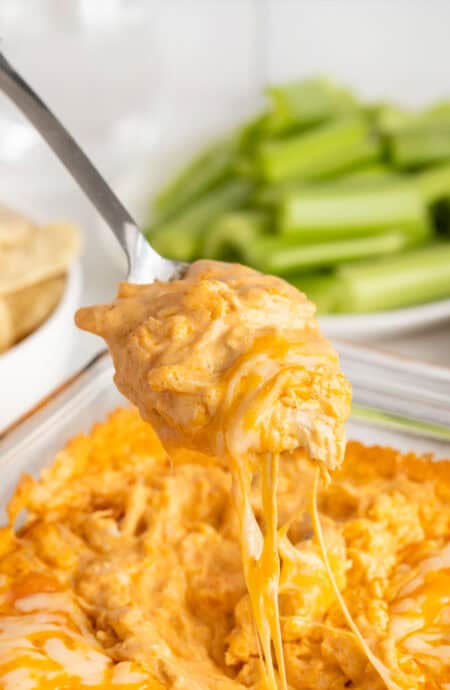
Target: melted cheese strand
x=270, y=561
x=252, y=546
x=378, y=665
x=261, y=562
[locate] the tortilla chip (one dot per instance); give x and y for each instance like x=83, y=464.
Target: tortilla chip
x=46, y=253
x=15, y=229
x=31, y=306
x=6, y=327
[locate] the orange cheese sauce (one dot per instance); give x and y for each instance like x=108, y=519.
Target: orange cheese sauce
x=128, y=573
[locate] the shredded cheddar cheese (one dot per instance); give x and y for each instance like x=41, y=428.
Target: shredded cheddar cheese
x=128, y=574
x=381, y=669
x=46, y=642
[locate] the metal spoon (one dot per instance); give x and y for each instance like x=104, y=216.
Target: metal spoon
x=144, y=264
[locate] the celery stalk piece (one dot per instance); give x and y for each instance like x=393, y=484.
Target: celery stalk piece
x=415, y=139
x=416, y=276
x=317, y=215
x=434, y=183
x=284, y=256
x=320, y=152
x=211, y=167
x=180, y=237
x=250, y=132
x=320, y=288
x=248, y=136
x=305, y=103
x=231, y=232
x=371, y=176
x=373, y=172
x=388, y=118
x=271, y=194
x=421, y=144
x=438, y=111
x=244, y=165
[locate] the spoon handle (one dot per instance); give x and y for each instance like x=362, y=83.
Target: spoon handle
x=144, y=263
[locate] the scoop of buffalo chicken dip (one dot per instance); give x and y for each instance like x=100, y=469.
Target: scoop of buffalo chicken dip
x=227, y=361
x=231, y=363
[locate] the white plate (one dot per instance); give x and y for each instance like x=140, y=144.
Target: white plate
x=135, y=190
x=383, y=323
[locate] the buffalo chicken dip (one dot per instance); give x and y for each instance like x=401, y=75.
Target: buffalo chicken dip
x=231, y=363
x=127, y=574
x=221, y=540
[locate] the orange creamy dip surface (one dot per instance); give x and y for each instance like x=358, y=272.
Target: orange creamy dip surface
x=128, y=574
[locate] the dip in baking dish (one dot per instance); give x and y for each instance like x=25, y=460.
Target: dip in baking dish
x=128, y=574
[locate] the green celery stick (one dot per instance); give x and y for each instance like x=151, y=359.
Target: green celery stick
x=416, y=276
x=211, y=167
x=421, y=144
x=180, y=237
x=434, y=183
x=232, y=231
x=363, y=153
x=177, y=241
x=318, y=153
x=438, y=111
x=244, y=165
x=250, y=132
x=248, y=136
x=317, y=215
x=372, y=172
x=284, y=256
x=305, y=103
x=416, y=139
x=371, y=175
x=270, y=194
x=388, y=118
x=320, y=288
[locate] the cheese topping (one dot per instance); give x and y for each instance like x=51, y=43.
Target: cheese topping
x=46, y=642
x=378, y=666
x=128, y=573
x=421, y=608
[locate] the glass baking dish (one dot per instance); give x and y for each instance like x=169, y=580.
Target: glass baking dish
x=397, y=402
